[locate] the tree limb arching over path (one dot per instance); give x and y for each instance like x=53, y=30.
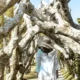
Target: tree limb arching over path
x=53, y=20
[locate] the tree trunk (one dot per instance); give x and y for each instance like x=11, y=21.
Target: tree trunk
x=11, y=74
x=1, y=72
x=6, y=71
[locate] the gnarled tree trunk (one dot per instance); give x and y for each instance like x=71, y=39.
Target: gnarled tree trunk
x=53, y=19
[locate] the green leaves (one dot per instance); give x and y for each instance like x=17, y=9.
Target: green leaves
x=78, y=20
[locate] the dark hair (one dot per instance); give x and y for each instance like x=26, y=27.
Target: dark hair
x=46, y=50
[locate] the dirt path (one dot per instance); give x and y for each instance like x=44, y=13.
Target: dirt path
x=33, y=75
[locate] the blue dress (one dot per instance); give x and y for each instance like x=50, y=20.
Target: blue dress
x=47, y=65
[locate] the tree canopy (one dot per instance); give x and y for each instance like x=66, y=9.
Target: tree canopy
x=20, y=30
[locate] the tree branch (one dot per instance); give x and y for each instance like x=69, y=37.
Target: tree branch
x=6, y=51
x=29, y=36
x=73, y=45
x=9, y=3
x=12, y=22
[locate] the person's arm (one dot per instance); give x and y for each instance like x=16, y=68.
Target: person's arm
x=57, y=74
x=38, y=61
x=38, y=64
x=57, y=66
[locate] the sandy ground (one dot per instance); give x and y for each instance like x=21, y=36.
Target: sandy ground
x=33, y=75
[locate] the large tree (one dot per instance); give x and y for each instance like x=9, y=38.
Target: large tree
x=22, y=30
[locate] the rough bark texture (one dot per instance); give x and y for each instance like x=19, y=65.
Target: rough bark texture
x=53, y=19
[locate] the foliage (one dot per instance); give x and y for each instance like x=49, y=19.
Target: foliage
x=10, y=12
x=78, y=20
x=1, y=20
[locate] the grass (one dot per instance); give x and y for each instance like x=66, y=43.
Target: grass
x=32, y=75
x=67, y=75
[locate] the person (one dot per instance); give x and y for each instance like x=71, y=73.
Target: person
x=47, y=62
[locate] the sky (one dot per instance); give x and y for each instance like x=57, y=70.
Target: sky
x=74, y=5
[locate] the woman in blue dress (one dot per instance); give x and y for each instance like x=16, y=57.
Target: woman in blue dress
x=47, y=62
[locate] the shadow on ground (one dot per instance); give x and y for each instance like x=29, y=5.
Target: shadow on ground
x=32, y=75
